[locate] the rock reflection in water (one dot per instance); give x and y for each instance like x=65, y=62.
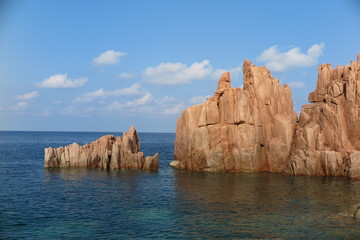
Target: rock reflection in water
x=265, y=205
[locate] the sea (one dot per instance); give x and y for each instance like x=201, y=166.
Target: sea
x=39, y=203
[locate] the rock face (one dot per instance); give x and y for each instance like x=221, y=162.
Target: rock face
x=108, y=152
x=327, y=138
x=256, y=129
x=249, y=129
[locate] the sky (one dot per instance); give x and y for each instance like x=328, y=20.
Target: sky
x=106, y=65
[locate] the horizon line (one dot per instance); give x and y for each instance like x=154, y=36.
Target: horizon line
x=80, y=131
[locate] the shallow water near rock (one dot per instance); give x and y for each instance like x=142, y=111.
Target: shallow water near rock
x=38, y=203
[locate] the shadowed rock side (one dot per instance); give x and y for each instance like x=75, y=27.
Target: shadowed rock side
x=108, y=152
x=327, y=138
x=248, y=129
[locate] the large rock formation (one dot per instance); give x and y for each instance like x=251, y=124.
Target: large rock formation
x=327, y=138
x=255, y=128
x=248, y=129
x=108, y=152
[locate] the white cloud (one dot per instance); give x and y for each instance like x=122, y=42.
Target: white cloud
x=234, y=73
x=126, y=75
x=166, y=99
x=147, y=98
x=90, y=96
x=107, y=103
x=178, y=108
x=20, y=106
x=109, y=57
x=296, y=84
x=144, y=109
x=117, y=106
x=177, y=73
x=147, y=104
x=83, y=111
x=27, y=96
x=61, y=81
x=132, y=90
x=282, y=61
x=198, y=99
x=114, y=106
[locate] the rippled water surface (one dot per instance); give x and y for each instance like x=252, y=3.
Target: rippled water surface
x=38, y=203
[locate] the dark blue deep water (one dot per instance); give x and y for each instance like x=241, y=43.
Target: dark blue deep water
x=38, y=203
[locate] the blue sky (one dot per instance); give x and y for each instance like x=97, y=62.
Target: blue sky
x=105, y=65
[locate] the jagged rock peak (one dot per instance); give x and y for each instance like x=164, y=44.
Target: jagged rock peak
x=252, y=73
x=238, y=129
x=133, y=138
x=224, y=81
x=331, y=83
x=108, y=152
x=327, y=138
x=255, y=128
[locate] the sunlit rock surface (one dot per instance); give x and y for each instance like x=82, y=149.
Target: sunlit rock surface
x=256, y=129
x=108, y=152
x=327, y=138
x=249, y=129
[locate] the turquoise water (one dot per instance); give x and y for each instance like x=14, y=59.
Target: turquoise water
x=38, y=203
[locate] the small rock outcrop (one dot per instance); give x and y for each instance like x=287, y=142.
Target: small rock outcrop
x=108, y=152
x=249, y=129
x=327, y=137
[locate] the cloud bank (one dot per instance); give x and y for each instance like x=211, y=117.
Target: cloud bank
x=177, y=73
x=146, y=99
x=90, y=96
x=27, y=96
x=198, y=99
x=20, y=106
x=177, y=109
x=61, y=81
x=282, y=61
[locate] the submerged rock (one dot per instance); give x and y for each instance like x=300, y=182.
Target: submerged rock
x=356, y=211
x=353, y=212
x=248, y=129
x=108, y=152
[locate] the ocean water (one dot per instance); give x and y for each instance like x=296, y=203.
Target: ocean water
x=38, y=203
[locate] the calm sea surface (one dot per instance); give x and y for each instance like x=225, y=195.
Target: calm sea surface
x=38, y=203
